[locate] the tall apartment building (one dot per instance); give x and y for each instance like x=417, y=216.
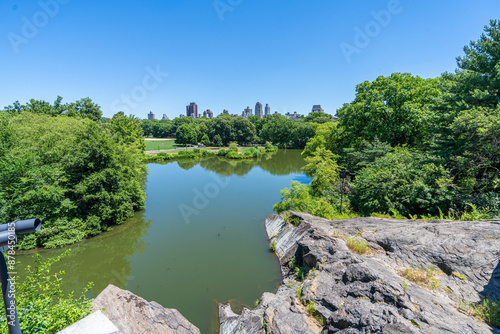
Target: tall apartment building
x=225, y=111
x=208, y=113
x=164, y=116
x=267, y=110
x=247, y=112
x=258, y=110
x=151, y=116
x=317, y=108
x=192, y=110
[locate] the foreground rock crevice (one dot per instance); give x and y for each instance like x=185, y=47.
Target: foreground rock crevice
x=329, y=288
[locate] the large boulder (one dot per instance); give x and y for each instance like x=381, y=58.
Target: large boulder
x=132, y=314
x=347, y=292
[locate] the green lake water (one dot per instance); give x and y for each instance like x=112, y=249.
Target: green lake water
x=199, y=241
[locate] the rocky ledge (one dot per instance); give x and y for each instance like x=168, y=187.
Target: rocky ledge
x=132, y=314
x=371, y=275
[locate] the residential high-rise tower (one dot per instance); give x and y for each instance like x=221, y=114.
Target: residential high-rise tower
x=267, y=110
x=192, y=110
x=258, y=110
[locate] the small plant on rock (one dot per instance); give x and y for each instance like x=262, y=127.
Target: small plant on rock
x=357, y=245
x=298, y=292
x=273, y=246
x=488, y=310
x=425, y=277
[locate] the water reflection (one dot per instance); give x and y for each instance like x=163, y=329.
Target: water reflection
x=282, y=162
x=103, y=259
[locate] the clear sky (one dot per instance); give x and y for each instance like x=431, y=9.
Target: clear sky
x=138, y=56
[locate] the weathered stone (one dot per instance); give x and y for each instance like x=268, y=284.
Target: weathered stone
x=132, y=314
x=352, y=293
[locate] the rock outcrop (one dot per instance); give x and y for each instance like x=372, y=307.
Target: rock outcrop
x=132, y=314
x=328, y=287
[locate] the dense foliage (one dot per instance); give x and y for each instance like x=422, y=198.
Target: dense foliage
x=220, y=131
x=413, y=146
x=42, y=307
x=79, y=175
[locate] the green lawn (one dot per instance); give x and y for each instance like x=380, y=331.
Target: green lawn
x=161, y=144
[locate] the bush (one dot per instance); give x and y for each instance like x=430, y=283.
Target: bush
x=270, y=147
x=41, y=305
x=403, y=181
x=233, y=146
x=223, y=152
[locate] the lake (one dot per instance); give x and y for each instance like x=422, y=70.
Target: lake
x=199, y=241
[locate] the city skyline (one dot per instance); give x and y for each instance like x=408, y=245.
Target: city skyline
x=192, y=111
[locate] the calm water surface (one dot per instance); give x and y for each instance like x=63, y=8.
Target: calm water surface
x=199, y=241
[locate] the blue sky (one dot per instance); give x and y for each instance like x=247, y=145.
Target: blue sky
x=138, y=56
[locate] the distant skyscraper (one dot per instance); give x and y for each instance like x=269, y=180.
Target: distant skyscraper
x=151, y=116
x=247, y=112
x=317, y=108
x=192, y=110
x=164, y=116
x=225, y=111
x=267, y=110
x=208, y=113
x=293, y=116
x=258, y=110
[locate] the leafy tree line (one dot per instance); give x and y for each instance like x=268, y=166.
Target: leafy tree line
x=277, y=129
x=61, y=163
x=412, y=146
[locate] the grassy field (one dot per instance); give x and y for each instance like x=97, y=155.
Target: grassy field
x=161, y=144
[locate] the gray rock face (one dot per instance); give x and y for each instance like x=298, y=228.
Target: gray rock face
x=132, y=314
x=345, y=292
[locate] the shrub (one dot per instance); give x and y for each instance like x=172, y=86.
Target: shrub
x=233, y=146
x=405, y=181
x=223, y=152
x=488, y=310
x=42, y=306
x=273, y=246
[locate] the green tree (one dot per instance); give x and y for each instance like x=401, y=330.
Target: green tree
x=396, y=109
x=128, y=129
x=322, y=167
x=405, y=181
x=277, y=129
x=162, y=128
x=147, y=127
x=77, y=175
x=217, y=141
x=85, y=108
x=223, y=126
x=477, y=80
x=318, y=117
x=364, y=155
x=186, y=135
x=301, y=133
x=244, y=131
x=205, y=140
